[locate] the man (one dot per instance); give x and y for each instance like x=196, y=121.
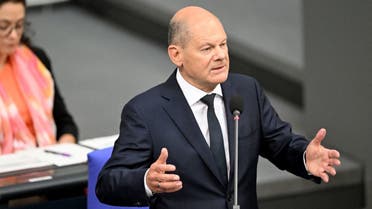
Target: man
x=165, y=154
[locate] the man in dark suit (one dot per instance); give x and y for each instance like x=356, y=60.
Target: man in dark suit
x=165, y=155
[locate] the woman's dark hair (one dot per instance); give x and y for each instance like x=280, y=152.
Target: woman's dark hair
x=24, y=39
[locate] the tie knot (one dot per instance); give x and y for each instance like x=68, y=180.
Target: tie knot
x=208, y=99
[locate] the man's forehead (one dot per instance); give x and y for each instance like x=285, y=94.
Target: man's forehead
x=207, y=29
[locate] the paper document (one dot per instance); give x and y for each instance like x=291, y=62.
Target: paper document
x=100, y=142
x=48, y=156
x=64, y=154
x=21, y=161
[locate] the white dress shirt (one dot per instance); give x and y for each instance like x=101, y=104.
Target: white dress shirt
x=193, y=96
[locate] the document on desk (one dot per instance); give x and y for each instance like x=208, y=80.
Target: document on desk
x=100, y=142
x=21, y=161
x=43, y=157
x=64, y=154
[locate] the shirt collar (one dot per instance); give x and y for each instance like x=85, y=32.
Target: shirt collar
x=193, y=94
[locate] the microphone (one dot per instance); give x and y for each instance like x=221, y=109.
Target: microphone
x=236, y=105
x=236, y=108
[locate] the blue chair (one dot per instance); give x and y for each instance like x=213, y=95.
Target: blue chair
x=96, y=161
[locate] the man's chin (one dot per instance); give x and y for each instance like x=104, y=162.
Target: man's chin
x=222, y=77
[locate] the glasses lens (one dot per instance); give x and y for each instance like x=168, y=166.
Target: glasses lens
x=4, y=30
x=8, y=29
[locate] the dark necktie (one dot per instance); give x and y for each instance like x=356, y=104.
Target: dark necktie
x=216, y=138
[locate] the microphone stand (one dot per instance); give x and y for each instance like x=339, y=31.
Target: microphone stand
x=236, y=114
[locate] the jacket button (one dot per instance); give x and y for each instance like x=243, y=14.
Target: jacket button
x=229, y=198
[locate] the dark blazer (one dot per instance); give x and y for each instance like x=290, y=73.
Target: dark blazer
x=161, y=117
x=63, y=119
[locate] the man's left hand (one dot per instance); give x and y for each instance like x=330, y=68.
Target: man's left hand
x=321, y=161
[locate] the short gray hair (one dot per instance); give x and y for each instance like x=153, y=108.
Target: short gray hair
x=177, y=33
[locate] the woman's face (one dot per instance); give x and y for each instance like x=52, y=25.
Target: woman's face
x=12, y=17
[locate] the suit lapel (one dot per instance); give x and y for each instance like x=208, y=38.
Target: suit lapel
x=180, y=112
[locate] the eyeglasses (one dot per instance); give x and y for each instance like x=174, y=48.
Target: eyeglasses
x=6, y=28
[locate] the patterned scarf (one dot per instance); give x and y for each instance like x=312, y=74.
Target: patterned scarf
x=36, y=85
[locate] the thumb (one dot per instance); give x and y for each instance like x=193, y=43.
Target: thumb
x=320, y=136
x=163, y=156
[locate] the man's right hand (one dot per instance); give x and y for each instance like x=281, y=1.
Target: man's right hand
x=158, y=179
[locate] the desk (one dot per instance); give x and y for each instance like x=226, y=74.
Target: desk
x=67, y=180
x=69, y=177
x=275, y=188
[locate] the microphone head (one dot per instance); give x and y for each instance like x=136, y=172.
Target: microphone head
x=236, y=104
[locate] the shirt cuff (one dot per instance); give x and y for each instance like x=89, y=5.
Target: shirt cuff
x=304, y=159
x=148, y=190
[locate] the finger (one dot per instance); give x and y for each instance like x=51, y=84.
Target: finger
x=160, y=164
x=333, y=154
x=324, y=177
x=154, y=176
x=164, y=179
x=331, y=170
x=169, y=186
x=168, y=177
x=334, y=162
x=162, y=168
x=163, y=156
x=320, y=136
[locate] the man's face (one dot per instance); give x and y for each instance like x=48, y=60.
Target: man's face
x=205, y=58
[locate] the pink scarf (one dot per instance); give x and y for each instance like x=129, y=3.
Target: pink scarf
x=36, y=85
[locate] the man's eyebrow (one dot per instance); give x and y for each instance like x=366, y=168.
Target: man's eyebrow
x=213, y=44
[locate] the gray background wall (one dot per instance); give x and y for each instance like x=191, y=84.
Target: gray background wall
x=98, y=65
x=338, y=76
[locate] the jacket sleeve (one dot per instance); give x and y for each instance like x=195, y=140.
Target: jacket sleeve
x=63, y=119
x=121, y=180
x=280, y=145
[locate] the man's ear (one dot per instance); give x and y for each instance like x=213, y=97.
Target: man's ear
x=175, y=55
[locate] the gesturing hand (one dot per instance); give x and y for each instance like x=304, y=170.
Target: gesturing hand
x=158, y=180
x=320, y=161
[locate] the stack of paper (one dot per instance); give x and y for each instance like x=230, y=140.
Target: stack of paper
x=21, y=161
x=64, y=154
x=100, y=142
x=53, y=155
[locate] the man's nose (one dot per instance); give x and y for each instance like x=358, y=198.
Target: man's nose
x=220, y=53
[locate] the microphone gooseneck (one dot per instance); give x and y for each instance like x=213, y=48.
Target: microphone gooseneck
x=236, y=108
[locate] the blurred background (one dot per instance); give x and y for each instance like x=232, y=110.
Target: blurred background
x=314, y=59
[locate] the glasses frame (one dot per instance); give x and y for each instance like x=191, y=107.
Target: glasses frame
x=18, y=26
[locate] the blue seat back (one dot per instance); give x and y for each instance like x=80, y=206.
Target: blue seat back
x=96, y=160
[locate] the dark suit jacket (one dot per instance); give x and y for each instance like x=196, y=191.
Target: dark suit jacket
x=63, y=119
x=161, y=117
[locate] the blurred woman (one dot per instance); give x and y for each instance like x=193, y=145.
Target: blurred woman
x=32, y=110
